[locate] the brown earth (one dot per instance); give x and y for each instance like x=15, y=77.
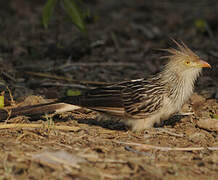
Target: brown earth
x=122, y=40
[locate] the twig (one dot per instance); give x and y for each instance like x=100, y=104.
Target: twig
x=20, y=126
x=128, y=148
x=29, y=133
x=5, y=114
x=97, y=64
x=70, y=66
x=170, y=133
x=150, y=147
x=9, y=76
x=11, y=96
x=77, y=86
x=108, y=176
x=66, y=78
x=213, y=148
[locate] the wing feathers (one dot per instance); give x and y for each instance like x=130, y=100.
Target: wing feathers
x=133, y=98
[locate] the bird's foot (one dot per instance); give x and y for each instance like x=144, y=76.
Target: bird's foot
x=140, y=124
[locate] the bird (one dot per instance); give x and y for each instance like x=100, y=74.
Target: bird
x=139, y=103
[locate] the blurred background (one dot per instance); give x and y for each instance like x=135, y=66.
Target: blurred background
x=47, y=47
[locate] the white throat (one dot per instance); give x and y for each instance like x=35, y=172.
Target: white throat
x=181, y=84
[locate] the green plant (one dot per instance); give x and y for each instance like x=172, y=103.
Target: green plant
x=71, y=9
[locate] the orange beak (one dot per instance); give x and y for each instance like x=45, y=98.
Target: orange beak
x=204, y=64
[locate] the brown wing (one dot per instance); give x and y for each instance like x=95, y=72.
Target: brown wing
x=106, y=99
x=142, y=98
x=136, y=98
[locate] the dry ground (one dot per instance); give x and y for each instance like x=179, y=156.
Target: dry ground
x=121, y=43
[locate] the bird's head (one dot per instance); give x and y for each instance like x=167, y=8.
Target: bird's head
x=184, y=60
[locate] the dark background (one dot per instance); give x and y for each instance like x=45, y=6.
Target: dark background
x=122, y=42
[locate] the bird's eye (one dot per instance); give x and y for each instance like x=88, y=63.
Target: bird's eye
x=187, y=62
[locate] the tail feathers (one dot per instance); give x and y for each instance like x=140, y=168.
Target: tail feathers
x=105, y=100
x=37, y=110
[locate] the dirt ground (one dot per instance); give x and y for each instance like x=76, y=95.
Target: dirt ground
x=122, y=42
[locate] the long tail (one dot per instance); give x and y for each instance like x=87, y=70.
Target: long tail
x=37, y=110
x=107, y=99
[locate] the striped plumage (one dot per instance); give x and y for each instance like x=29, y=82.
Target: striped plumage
x=143, y=102
x=133, y=98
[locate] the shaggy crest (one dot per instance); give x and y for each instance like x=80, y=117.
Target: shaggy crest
x=183, y=52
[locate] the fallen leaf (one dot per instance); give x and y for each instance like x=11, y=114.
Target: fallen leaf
x=215, y=116
x=2, y=102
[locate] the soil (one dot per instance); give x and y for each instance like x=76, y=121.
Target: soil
x=37, y=64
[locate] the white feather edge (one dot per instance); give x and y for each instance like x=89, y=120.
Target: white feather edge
x=64, y=107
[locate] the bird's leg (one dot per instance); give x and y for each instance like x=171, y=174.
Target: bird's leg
x=141, y=124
